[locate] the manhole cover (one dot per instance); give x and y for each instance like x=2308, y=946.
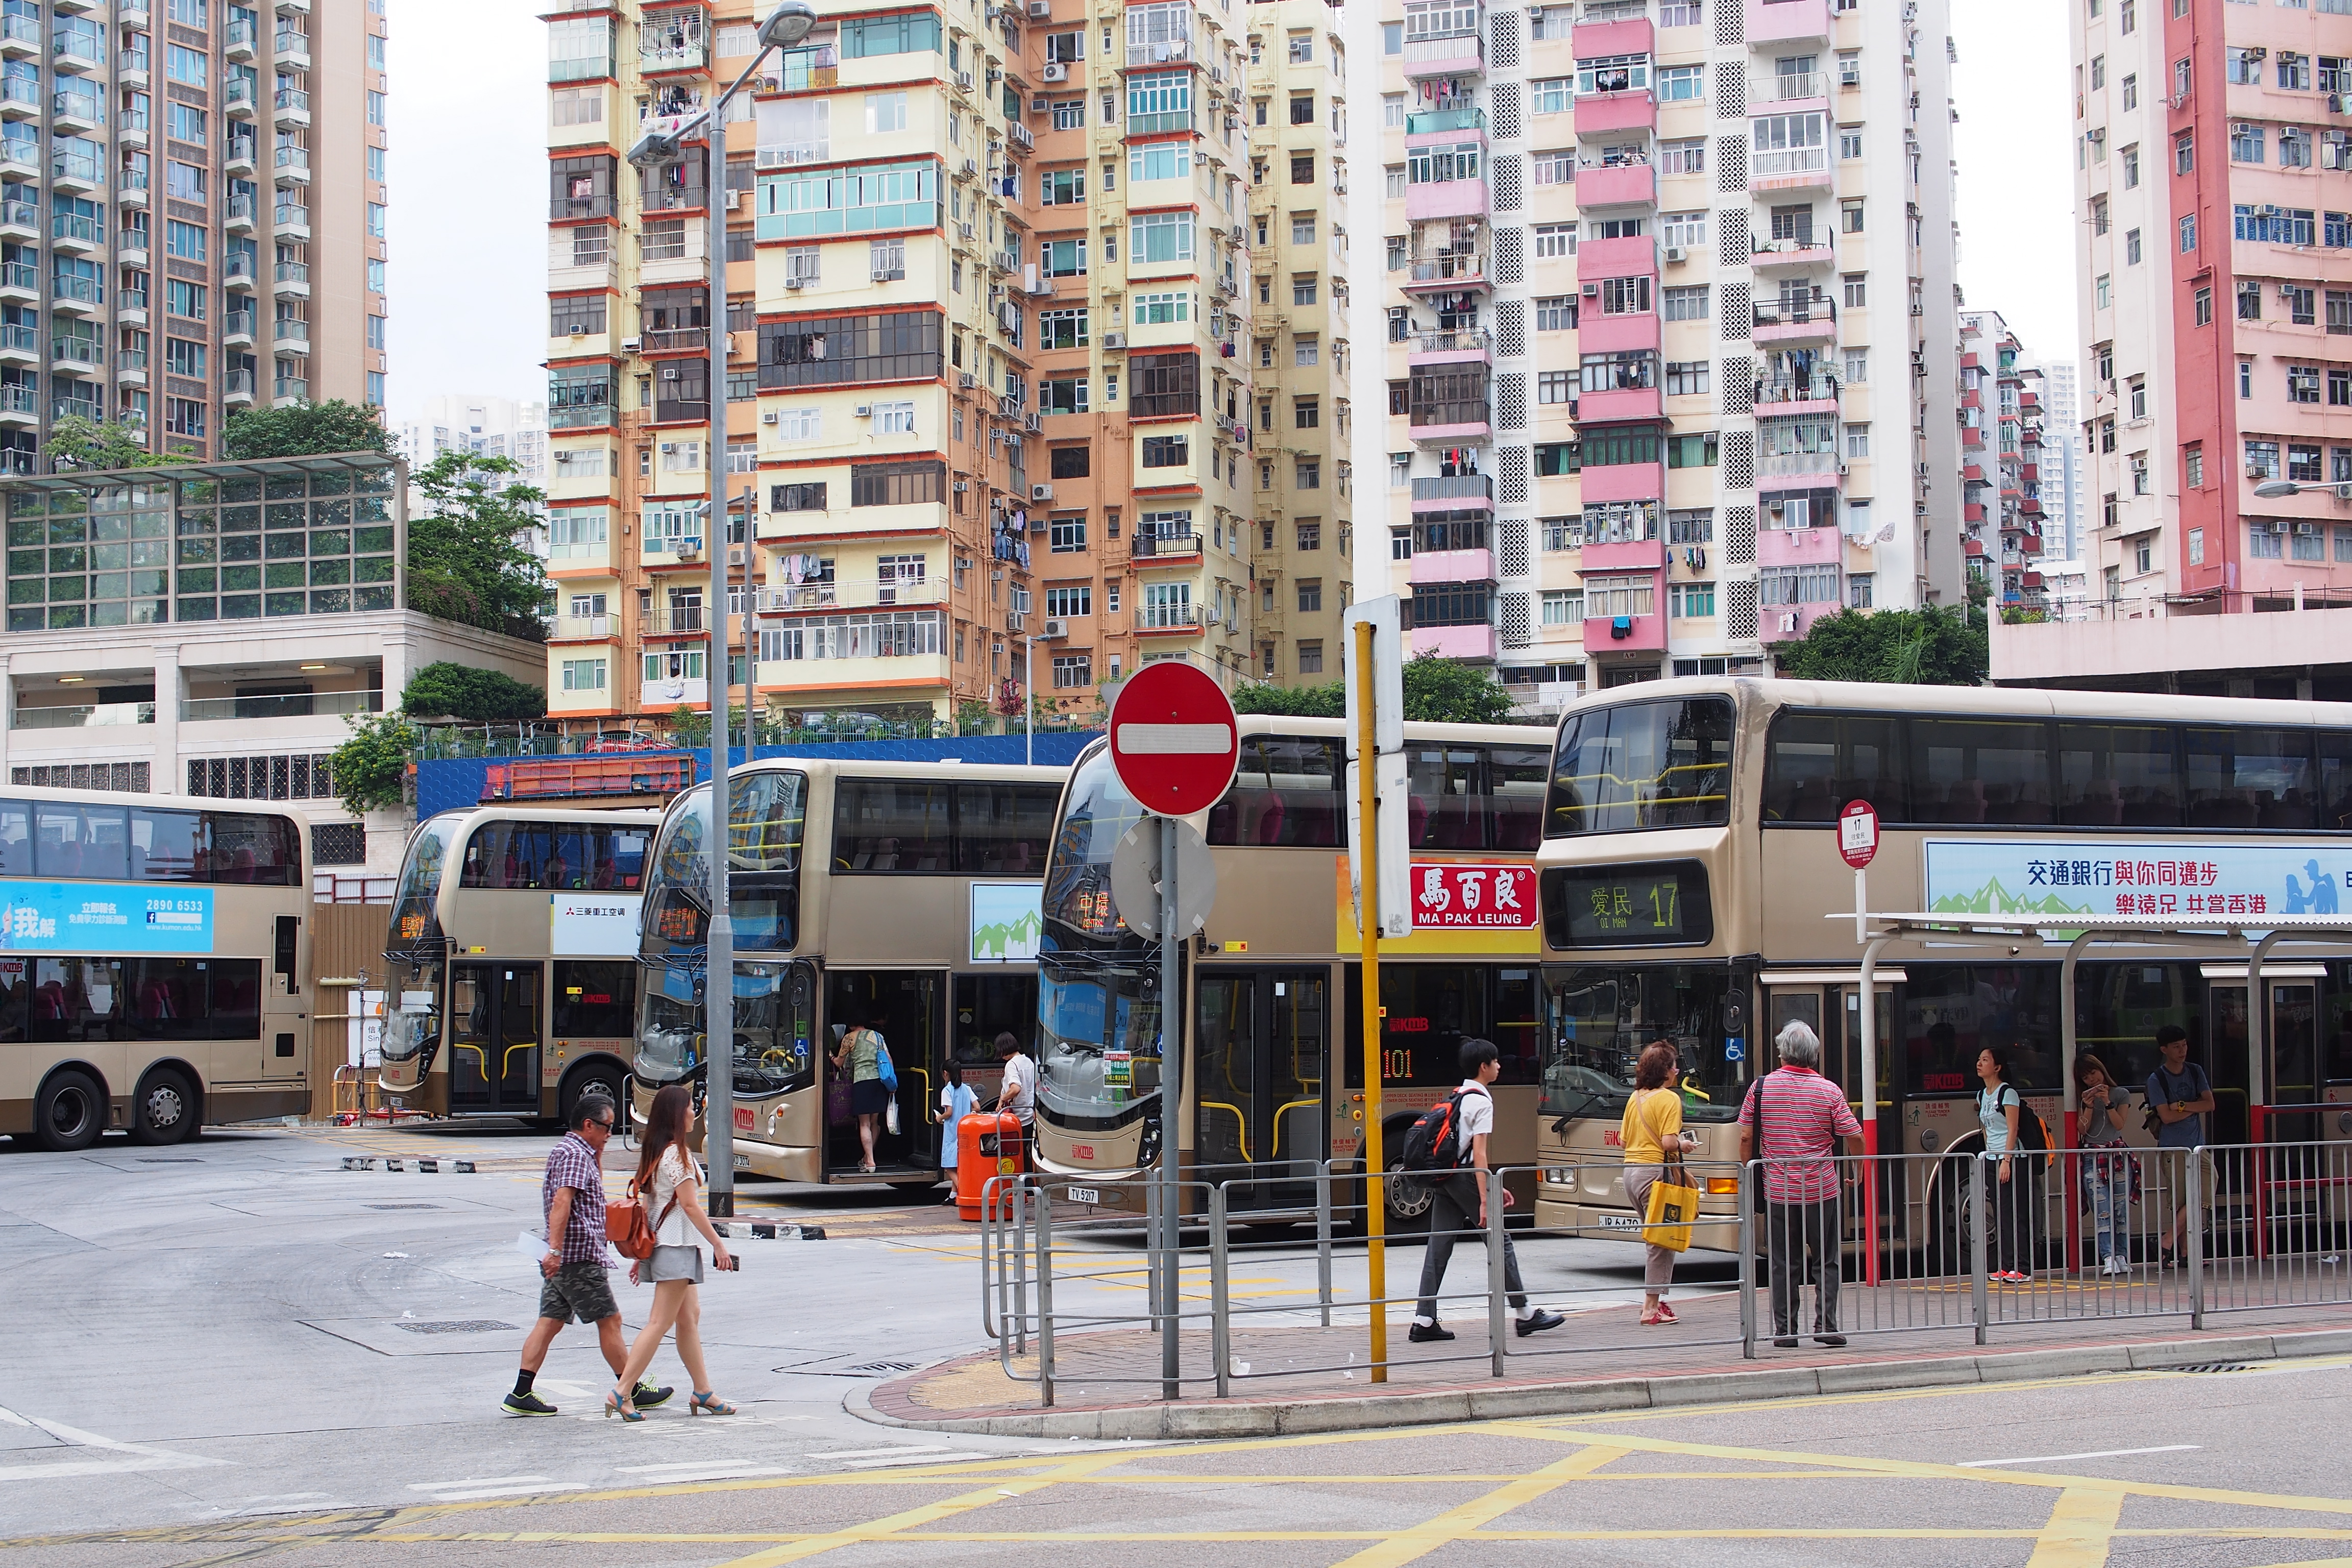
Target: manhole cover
x=404, y=1205
x=879, y=1368
x=452, y=1326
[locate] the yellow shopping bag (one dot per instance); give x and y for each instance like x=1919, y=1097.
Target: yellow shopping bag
x=1671, y=1207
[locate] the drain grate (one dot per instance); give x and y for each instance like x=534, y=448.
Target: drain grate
x=879, y=1368
x=2217, y=1366
x=452, y=1326
x=404, y=1205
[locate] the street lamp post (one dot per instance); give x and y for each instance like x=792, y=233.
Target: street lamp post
x=660, y=148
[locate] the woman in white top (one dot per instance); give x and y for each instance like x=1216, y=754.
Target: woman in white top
x=669, y=1184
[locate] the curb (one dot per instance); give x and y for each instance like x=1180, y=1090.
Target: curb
x=762, y=1230
x=1279, y=1419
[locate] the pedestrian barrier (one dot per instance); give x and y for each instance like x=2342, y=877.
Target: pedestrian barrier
x=1830, y=1248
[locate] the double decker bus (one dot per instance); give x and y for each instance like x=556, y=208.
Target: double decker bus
x=512, y=947
x=904, y=892
x=154, y=966
x=1273, y=1081
x=1690, y=865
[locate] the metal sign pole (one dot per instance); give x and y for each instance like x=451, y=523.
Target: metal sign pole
x=719, y=970
x=1171, y=1102
x=1369, y=880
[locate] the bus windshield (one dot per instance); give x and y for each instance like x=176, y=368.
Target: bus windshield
x=1643, y=765
x=774, y=1023
x=415, y=918
x=1599, y=1018
x=766, y=813
x=412, y=1014
x=1098, y=1035
x=1079, y=907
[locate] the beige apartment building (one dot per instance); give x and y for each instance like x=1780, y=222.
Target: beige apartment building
x=1017, y=396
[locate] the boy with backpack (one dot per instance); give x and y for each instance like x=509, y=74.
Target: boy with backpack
x=1448, y=1146
x=2179, y=1097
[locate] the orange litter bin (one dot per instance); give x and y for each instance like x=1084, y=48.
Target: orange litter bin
x=988, y=1144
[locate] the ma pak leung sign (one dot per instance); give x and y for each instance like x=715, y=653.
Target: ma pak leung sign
x=2232, y=881
x=1457, y=907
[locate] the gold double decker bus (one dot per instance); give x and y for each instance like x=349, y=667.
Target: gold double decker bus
x=1273, y=1079
x=1690, y=866
x=902, y=892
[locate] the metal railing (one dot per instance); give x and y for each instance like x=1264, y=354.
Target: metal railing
x=299, y=706
x=84, y=715
x=1824, y=1250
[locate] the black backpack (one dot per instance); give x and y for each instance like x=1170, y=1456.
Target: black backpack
x=1433, y=1141
x=2032, y=1132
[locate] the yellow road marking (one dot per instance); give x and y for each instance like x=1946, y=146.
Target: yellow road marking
x=1466, y=1518
x=2079, y=1528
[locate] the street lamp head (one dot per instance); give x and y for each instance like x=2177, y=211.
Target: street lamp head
x=656, y=148
x=2277, y=489
x=788, y=24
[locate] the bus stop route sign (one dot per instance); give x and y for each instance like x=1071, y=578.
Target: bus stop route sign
x=1857, y=829
x=1173, y=739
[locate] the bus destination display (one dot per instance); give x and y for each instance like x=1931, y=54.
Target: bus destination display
x=1627, y=906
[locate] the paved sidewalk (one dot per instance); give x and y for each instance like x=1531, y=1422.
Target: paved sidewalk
x=1292, y=1379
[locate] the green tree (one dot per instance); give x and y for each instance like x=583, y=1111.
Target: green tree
x=462, y=691
x=1297, y=701
x=1437, y=690
x=303, y=429
x=688, y=728
x=1929, y=647
x=464, y=561
x=372, y=767
x=79, y=443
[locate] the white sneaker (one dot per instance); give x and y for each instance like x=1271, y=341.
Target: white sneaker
x=2116, y=1264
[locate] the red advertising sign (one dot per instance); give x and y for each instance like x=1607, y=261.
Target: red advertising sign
x=1473, y=897
x=1173, y=739
x=1857, y=829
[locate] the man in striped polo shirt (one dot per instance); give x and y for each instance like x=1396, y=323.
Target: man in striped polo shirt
x=1803, y=1115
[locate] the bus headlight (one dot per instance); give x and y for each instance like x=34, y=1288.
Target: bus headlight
x=1559, y=1175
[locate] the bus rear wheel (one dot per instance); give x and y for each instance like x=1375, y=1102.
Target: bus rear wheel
x=69, y=1112
x=164, y=1111
x=594, y=1077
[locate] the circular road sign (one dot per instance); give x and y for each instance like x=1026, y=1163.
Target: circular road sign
x=1139, y=879
x=1857, y=828
x=1173, y=739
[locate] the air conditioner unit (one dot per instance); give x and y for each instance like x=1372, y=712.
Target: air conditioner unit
x=995, y=75
x=971, y=167
x=794, y=280
x=1035, y=422
x=1241, y=234
x=963, y=230
x=1057, y=627
x=964, y=80
x=669, y=373
x=1592, y=290
x=578, y=331
x=689, y=545
x=2255, y=471
x=1114, y=340
x=2094, y=136
x=1676, y=253
x=629, y=345
x=865, y=411
x=1040, y=10
x=1039, y=105
x=966, y=381
x=961, y=486
x=769, y=417
x=1056, y=71
x=1041, y=492
x=2307, y=528
x=1850, y=74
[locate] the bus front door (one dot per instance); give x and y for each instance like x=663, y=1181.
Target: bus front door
x=910, y=1008
x=1260, y=1043
x=494, y=1039
x=2294, y=1095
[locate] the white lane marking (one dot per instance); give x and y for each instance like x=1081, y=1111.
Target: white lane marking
x=142, y=1458
x=663, y=1475
x=895, y=1450
x=2095, y=1454
x=474, y=1481
x=1174, y=739
x=509, y=1491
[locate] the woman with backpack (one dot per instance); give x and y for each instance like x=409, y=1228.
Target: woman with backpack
x=1999, y=1110
x=2110, y=1175
x=671, y=1184
x=860, y=1056
x=1654, y=1143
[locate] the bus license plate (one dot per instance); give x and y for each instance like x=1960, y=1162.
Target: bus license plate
x=1085, y=1196
x=1620, y=1222
x=742, y=1161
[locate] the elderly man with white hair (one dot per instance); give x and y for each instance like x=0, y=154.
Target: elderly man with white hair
x=1794, y=1116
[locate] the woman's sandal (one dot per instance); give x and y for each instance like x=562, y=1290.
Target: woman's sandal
x=708, y=1405
x=626, y=1409
x=1667, y=1314
x=1649, y=1318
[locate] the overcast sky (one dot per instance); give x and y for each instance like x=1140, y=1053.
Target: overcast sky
x=469, y=229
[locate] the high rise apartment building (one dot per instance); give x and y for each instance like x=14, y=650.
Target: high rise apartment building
x=485, y=426
x=2004, y=420
x=2062, y=438
x=1031, y=310
x=192, y=214
x=1671, y=327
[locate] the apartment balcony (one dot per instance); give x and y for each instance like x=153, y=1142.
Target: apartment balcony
x=291, y=167
x=1164, y=547
x=1816, y=394
x=76, y=296
x=131, y=306
x=20, y=38
x=76, y=174
x=293, y=7
x=74, y=235
x=236, y=329
x=77, y=355
x=1798, y=547
x=1623, y=183
x=236, y=387
x=239, y=40
x=77, y=113
x=19, y=280
x=1790, y=168
x=1607, y=113
x=1787, y=255
x=77, y=53
x=292, y=336
x=676, y=341
x=131, y=187
x=1604, y=555
x=1167, y=621
x=291, y=108
x=289, y=390
x=867, y=593
x=238, y=217
x=1160, y=123
x=1452, y=423
x=677, y=53
x=130, y=367
x=20, y=344
x=292, y=220
x=1465, y=345
x=1437, y=121
x=1785, y=88
x=130, y=128
x=1786, y=21
x=1795, y=320
x=585, y=628
x=21, y=158
x=301, y=705
x=292, y=282
x=1455, y=493
x=83, y=716
x=292, y=49
x=1430, y=199
x=1436, y=567
x=20, y=406
x=19, y=99
x=1824, y=469
x=815, y=69
x=1618, y=405
x=237, y=98
x=1597, y=259
x=238, y=161
x=1625, y=634
x=1460, y=54
x=20, y=220
x=1788, y=623
x=1453, y=642
x=77, y=408
x=1447, y=273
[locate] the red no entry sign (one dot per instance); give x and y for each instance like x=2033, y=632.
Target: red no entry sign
x=1173, y=739
x=1857, y=828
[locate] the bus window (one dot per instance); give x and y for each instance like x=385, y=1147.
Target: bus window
x=16, y=992
x=1447, y=791
x=594, y=1000
x=164, y=844
x=566, y=865
x=2335, y=781
x=1952, y=1011
x=1002, y=829
x=890, y=827
x=258, y=849
x=2242, y=777
x=1818, y=761
x=2118, y=775
x=1643, y=765
x=235, y=1012
x=1515, y=778
x=2120, y=1006
x=76, y=999
x=83, y=840
x=1286, y=791
x=1976, y=771
x=1430, y=1009
x=16, y=839
x=414, y=902
x=987, y=1005
x=1077, y=894
x=765, y=815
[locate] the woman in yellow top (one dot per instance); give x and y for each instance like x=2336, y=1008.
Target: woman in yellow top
x=1653, y=1127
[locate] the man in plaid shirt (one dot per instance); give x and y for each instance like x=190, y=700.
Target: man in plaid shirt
x=1803, y=1115
x=573, y=1269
